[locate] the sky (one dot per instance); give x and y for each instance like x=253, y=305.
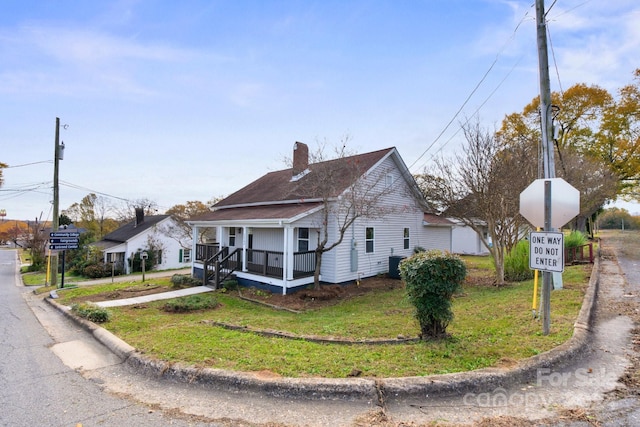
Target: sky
x=191, y=100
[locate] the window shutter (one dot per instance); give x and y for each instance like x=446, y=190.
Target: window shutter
x=180, y=256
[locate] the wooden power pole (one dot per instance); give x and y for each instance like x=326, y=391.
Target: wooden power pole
x=547, y=149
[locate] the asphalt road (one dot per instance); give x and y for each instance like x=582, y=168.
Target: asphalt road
x=37, y=388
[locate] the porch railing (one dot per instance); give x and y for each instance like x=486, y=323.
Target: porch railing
x=221, y=265
x=270, y=263
x=262, y=262
x=206, y=251
x=579, y=254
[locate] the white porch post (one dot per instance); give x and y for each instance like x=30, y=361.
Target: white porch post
x=245, y=243
x=127, y=267
x=194, y=240
x=220, y=236
x=289, y=249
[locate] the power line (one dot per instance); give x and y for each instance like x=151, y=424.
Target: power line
x=477, y=109
x=79, y=187
x=555, y=63
x=29, y=164
x=475, y=89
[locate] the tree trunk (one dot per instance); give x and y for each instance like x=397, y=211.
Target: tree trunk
x=316, y=272
x=498, y=263
x=581, y=224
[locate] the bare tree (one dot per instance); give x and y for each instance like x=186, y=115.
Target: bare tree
x=346, y=191
x=180, y=230
x=92, y=213
x=481, y=187
x=126, y=212
x=2, y=166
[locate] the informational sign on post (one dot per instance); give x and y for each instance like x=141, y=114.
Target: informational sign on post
x=63, y=240
x=546, y=251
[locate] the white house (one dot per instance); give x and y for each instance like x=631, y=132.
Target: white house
x=145, y=233
x=466, y=241
x=266, y=232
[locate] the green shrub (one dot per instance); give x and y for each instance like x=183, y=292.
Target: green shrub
x=230, y=285
x=184, y=280
x=431, y=278
x=96, y=271
x=516, y=263
x=91, y=312
x=574, y=239
x=190, y=303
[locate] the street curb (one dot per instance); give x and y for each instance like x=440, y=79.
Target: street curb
x=112, y=342
x=379, y=390
x=527, y=370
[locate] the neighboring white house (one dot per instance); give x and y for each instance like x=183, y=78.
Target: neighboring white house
x=267, y=231
x=143, y=233
x=467, y=241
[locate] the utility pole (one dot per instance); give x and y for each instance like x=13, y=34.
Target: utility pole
x=56, y=220
x=547, y=149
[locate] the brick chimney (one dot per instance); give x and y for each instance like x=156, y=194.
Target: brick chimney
x=300, y=158
x=139, y=216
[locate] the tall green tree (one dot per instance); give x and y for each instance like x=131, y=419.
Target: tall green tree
x=618, y=139
x=596, y=135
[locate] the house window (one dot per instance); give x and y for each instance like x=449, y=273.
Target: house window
x=232, y=236
x=406, y=238
x=369, y=240
x=184, y=255
x=388, y=180
x=303, y=239
x=159, y=257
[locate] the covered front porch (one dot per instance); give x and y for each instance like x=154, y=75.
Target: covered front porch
x=275, y=259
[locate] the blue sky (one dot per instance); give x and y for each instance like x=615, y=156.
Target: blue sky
x=178, y=101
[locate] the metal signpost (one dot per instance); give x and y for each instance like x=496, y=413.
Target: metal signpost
x=61, y=241
x=548, y=203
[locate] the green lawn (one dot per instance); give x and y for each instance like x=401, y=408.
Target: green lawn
x=492, y=326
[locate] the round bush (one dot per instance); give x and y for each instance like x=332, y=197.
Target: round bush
x=431, y=278
x=91, y=312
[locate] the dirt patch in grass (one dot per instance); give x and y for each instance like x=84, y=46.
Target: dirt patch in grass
x=328, y=295
x=132, y=292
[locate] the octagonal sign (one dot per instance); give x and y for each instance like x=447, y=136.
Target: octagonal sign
x=565, y=202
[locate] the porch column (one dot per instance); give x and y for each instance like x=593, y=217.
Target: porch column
x=195, y=232
x=289, y=249
x=220, y=236
x=245, y=244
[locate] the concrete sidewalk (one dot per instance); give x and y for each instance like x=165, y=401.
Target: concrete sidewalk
x=129, y=278
x=155, y=297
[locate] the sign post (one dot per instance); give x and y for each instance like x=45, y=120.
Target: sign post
x=548, y=203
x=61, y=241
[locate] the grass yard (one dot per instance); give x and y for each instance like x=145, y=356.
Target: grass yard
x=492, y=327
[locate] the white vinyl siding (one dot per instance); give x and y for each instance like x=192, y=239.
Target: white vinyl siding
x=269, y=239
x=437, y=238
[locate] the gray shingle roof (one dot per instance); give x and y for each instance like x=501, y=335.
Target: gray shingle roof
x=278, y=186
x=130, y=230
